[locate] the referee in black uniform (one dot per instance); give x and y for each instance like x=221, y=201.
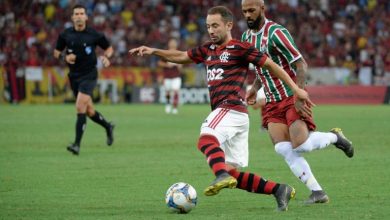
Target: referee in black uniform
x=79, y=43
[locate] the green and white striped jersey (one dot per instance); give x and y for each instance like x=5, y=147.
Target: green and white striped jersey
x=275, y=41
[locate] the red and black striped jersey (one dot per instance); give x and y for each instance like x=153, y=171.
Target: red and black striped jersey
x=227, y=68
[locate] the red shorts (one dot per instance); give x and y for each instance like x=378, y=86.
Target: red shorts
x=284, y=112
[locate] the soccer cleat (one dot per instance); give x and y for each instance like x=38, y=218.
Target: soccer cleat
x=317, y=197
x=74, y=149
x=283, y=196
x=342, y=142
x=222, y=181
x=110, y=134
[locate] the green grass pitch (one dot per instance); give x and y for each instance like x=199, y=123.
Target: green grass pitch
x=39, y=179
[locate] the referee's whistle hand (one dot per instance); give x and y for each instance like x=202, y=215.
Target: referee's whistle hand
x=70, y=58
x=105, y=61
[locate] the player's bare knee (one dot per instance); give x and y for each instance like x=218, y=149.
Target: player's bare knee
x=278, y=133
x=305, y=146
x=298, y=138
x=90, y=110
x=81, y=107
x=295, y=144
x=298, y=133
x=298, y=141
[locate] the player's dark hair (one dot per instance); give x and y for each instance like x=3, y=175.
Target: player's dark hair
x=79, y=6
x=226, y=14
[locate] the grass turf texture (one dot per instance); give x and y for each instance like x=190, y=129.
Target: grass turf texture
x=39, y=179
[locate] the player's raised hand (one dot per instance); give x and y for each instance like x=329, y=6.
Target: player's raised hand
x=140, y=51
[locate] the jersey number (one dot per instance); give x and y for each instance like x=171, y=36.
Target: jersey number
x=214, y=74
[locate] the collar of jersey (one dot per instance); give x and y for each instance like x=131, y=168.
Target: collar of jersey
x=74, y=29
x=221, y=47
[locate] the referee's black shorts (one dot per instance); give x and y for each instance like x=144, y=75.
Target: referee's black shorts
x=85, y=83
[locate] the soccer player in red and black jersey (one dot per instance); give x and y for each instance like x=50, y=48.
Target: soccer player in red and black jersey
x=291, y=130
x=172, y=80
x=224, y=133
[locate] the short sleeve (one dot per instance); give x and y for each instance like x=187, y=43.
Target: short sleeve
x=103, y=42
x=61, y=43
x=285, y=45
x=255, y=57
x=197, y=54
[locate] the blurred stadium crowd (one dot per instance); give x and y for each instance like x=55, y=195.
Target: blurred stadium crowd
x=347, y=33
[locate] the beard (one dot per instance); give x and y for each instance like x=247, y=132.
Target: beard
x=254, y=24
x=218, y=40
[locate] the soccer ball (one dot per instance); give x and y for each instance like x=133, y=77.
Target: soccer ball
x=181, y=197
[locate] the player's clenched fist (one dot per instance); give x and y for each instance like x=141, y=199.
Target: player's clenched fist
x=70, y=58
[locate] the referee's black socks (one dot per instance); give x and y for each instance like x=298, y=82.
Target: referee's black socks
x=98, y=118
x=80, y=127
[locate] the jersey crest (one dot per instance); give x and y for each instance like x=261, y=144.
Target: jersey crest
x=224, y=57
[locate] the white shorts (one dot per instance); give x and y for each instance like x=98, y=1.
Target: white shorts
x=172, y=84
x=231, y=128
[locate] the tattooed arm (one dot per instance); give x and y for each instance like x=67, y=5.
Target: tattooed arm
x=301, y=67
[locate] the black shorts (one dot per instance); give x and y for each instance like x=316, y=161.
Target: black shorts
x=84, y=84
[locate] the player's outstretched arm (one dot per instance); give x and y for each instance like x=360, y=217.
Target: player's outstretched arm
x=174, y=56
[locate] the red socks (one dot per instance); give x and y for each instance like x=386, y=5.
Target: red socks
x=209, y=146
x=253, y=183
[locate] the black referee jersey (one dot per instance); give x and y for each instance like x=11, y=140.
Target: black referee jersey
x=83, y=45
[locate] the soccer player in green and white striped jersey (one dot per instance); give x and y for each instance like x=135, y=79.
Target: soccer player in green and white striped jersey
x=289, y=121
